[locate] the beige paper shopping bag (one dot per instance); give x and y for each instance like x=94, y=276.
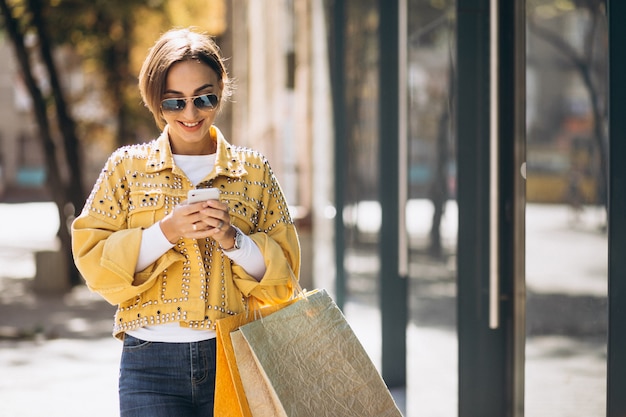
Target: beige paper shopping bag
x=262, y=399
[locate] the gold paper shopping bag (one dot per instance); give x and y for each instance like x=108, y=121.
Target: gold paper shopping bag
x=230, y=398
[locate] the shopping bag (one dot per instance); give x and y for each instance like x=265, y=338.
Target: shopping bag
x=230, y=398
x=261, y=398
x=312, y=363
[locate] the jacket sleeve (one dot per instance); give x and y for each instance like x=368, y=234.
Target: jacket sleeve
x=276, y=237
x=105, y=250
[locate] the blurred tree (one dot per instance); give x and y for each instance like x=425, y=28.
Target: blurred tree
x=433, y=29
x=589, y=61
x=361, y=93
x=112, y=38
x=102, y=33
x=22, y=20
x=208, y=15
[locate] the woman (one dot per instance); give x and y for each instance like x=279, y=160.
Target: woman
x=172, y=267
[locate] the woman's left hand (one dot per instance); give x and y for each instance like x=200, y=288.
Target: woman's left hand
x=215, y=223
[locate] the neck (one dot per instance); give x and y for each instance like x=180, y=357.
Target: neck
x=207, y=146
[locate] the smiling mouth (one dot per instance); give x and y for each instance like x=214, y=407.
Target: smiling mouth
x=190, y=124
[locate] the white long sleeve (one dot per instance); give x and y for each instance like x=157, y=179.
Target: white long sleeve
x=249, y=257
x=154, y=244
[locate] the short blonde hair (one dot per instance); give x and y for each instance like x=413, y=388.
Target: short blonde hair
x=178, y=45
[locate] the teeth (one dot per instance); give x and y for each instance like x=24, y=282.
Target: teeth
x=190, y=124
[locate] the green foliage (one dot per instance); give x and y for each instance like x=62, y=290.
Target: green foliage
x=109, y=39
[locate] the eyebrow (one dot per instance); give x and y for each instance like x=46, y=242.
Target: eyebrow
x=196, y=91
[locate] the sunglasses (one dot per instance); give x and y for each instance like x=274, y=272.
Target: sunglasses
x=203, y=102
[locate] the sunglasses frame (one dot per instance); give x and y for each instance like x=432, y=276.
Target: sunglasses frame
x=193, y=99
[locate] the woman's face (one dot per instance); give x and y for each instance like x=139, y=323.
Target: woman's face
x=189, y=128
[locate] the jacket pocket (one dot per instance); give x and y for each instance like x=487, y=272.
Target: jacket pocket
x=143, y=208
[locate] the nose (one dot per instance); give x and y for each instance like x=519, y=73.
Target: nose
x=190, y=109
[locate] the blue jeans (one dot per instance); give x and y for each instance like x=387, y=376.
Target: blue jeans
x=167, y=379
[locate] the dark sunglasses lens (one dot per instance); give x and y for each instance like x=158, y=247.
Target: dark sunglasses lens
x=207, y=101
x=173, y=104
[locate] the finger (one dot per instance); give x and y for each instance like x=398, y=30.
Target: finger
x=201, y=229
x=194, y=207
x=213, y=216
x=218, y=225
x=217, y=204
x=184, y=211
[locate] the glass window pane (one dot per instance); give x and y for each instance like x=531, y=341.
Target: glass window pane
x=431, y=211
x=566, y=241
x=362, y=211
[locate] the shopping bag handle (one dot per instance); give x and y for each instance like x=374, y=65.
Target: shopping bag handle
x=253, y=304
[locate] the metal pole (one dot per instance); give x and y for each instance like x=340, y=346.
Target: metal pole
x=616, y=359
x=393, y=286
x=337, y=51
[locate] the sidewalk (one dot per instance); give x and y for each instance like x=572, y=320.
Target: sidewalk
x=56, y=353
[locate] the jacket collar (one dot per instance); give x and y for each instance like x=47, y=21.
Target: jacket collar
x=227, y=162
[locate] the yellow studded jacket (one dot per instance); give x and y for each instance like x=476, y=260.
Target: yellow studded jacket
x=193, y=283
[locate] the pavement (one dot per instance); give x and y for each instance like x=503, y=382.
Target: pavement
x=57, y=356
